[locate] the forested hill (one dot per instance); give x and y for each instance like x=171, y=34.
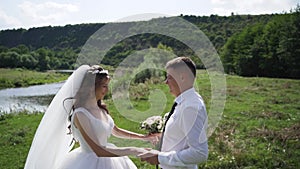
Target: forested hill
x=69, y=36
x=249, y=45
x=217, y=28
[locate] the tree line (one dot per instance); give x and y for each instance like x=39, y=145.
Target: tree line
x=249, y=45
x=41, y=59
x=271, y=49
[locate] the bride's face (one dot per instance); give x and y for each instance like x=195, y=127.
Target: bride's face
x=102, y=89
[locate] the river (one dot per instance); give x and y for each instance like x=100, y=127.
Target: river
x=33, y=99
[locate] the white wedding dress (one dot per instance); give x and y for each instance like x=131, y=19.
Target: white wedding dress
x=83, y=157
x=51, y=145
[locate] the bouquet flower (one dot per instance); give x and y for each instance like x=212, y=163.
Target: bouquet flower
x=154, y=124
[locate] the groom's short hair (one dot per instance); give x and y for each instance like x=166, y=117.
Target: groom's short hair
x=182, y=62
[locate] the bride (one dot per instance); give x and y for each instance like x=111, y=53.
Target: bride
x=90, y=123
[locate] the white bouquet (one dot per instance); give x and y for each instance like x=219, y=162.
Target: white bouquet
x=154, y=124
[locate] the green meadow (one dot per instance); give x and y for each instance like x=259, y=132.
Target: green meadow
x=259, y=128
x=17, y=77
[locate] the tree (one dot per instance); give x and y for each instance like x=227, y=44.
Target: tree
x=43, y=59
x=28, y=61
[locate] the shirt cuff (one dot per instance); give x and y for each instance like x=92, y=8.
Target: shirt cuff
x=169, y=158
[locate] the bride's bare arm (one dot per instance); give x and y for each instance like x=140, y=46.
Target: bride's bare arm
x=122, y=133
x=102, y=151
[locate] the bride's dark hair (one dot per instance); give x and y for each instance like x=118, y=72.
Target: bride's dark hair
x=93, y=78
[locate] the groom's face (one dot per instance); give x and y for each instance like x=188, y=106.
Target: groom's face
x=171, y=81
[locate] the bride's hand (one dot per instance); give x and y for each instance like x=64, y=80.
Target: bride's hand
x=153, y=138
x=137, y=151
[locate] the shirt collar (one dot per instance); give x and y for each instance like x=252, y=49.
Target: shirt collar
x=184, y=94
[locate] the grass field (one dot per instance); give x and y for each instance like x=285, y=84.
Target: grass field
x=10, y=78
x=260, y=125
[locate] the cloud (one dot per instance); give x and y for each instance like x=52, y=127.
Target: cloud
x=8, y=21
x=28, y=13
x=225, y=7
x=46, y=12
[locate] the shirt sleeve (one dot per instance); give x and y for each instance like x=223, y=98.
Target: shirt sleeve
x=193, y=122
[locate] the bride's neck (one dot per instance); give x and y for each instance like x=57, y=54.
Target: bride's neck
x=88, y=103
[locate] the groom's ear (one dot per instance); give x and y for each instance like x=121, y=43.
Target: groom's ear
x=183, y=76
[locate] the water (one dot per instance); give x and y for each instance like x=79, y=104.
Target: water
x=33, y=98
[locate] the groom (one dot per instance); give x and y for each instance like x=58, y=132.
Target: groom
x=184, y=141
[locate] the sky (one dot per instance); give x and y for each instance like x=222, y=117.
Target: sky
x=15, y=14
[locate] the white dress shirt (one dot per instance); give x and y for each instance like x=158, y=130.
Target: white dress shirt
x=185, y=142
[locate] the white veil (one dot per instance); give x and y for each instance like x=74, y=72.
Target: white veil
x=51, y=142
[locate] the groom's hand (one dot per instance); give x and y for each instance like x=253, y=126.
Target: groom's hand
x=150, y=157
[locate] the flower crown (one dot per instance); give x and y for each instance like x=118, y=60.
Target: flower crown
x=99, y=71
x=95, y=70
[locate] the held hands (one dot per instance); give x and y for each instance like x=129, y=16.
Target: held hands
x=147, y=154
x=150, y=156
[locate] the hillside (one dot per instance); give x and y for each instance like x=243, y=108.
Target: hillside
x=217, y=28
x=248, y=45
